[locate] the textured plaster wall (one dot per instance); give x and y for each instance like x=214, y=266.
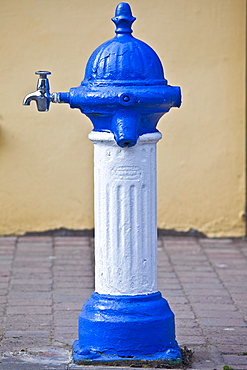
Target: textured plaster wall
x=46, y=160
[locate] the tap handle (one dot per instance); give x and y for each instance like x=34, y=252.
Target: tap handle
x=43, y=82
x=43, y=74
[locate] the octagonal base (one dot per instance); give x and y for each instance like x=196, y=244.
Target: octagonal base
x=126, y=328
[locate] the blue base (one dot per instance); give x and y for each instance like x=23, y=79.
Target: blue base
x=113, y=328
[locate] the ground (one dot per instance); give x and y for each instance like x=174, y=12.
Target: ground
x=45, y=280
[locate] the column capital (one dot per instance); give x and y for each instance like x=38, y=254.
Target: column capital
x=108, y=137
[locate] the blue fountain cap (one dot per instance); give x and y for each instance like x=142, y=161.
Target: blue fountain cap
x=124, y=60
x=123, y=19
x=124, y=90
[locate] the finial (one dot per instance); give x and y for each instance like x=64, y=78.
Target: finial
x=123, y=18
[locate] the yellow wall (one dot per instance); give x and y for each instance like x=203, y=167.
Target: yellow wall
x=46, y=163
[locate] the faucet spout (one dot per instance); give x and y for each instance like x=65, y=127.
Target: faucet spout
x=42, y=101
x=125, y=127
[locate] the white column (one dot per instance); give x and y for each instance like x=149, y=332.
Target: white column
x=125, y=215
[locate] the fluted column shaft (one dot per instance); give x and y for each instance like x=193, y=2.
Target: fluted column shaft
x=125, y=215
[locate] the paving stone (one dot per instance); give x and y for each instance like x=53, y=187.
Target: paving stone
x=66, y=330
x=69, y=321
x=27, y=333
x=6, y=258
x=235, y=359
x=212, y=279
x=183, y=314
x=208, y=292
x=232, y=349
x=30, y=294
x=173, y=293
x=69, y=306
x=3, y=299
x=214, y=306
x=17, y=344
x=68, y=314
x=33, y=265
x=37, y=310
x=29, y=281
x=239, y=297
x=237, y=289
x=197, y=275
x=70, y=297
x=28, y=321
x=4, y=279
x=76, y=280
x=191, y=340
x=85, y=282
x=226, y=331
x=167, y=275
x=218, y=314
x=33, y=246
x=222, y=300
x=7, y=239
x=196, y=331
x=31, y=288
x=4, y=285
x=225, y=340
x=174, y=299
x=30, y=271
x=226, y=322
x=186, y=323
x=66, y=339
x=205, y=285
x=33, y=239
x=207, y=356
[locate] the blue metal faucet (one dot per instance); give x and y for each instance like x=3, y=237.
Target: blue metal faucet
x=124, y=90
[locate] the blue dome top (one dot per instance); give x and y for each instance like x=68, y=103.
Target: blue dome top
x=124, y=59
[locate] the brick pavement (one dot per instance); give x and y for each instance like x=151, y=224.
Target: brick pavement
x=44, y=282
